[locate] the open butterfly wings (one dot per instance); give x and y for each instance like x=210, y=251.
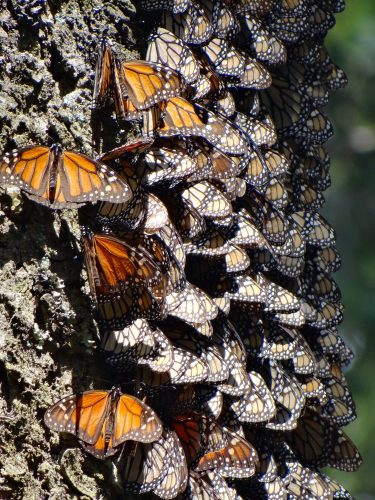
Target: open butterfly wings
x=103, y=420
x=61, y=179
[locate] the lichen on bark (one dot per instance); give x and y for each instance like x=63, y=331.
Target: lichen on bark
x=47, y=331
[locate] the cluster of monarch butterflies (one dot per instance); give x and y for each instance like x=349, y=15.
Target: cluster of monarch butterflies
x=209, y=264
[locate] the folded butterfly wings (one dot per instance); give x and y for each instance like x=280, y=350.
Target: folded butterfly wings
x=134, y=86
x=125, y=279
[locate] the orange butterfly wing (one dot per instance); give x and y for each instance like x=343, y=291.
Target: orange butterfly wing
x=237, y=459
x=27, y=168
x=82, y=415
x=104, y=80
x=184, y=118
x=103, y=446
x=134, y=420
x=81, y=179
x=149, y=83
x=61, y=179
x=189, y=429
x=120, y=263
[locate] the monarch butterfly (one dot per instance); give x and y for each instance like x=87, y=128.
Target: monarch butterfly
x=236, y=260
x=102, y=420
x=117, y=340
x=137, y=85
x=168, y=162
x=256, y=8
x=226, y=60
x=207, y=200
x=258, y=404
x=184, y=118
x=265, y=46
x=254, y=76
x=289, y=20
x=333, y=346
x=207, y=83
x=247, y=291
x=187, y=368
x=305, y=197
x=130, y=148
x=275, y=226
x=206, y=399
x=191, y=430
x=289, y=398
x=191, y=305
x=245, y=233
x=291, y=319
x=176, y=6
x=201, y=487
x=126, y=281
x=211, y=243
x=339, y=407
x=336, y=490
x=130, y=215
x=224, y=23
x=236, y=458
x=287, y=264
x=159, y=467
x=278, y=343
x=186, y=218
x=156, y=217
x=313, y=389
x=286, y=105
x=224, y=105
x=278, y=298
x=301, y=482
x=238, y=382
x=327, y=258
x=167, y=49
x=316, y=128
x=261, y=133
x=321, y=21
x=319, y=443
x=61, y=179
x=215, y=367
x=156, y=352
x=192, y=27
x=207, y=446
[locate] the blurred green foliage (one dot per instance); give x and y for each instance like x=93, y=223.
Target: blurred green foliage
x=350, y=207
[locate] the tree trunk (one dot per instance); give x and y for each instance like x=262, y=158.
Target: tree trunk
x=47, y=333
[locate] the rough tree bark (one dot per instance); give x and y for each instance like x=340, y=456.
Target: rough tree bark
x=47, y=332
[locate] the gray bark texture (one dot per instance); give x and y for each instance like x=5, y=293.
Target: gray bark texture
x=47, y=333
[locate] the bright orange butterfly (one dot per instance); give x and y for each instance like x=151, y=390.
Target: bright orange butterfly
x=184, y=118
x=126, y=280
x=209, y=446
x=102, y=420
x=61, y=179
x=135, y=85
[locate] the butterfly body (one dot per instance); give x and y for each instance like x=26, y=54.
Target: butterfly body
x=61, y=179
x=102, y=420
x=134, y=85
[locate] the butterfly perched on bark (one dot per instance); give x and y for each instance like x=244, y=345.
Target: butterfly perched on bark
x=103, y=420
x=61, y=179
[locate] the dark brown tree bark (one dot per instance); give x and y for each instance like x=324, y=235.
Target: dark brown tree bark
x=47, y=331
